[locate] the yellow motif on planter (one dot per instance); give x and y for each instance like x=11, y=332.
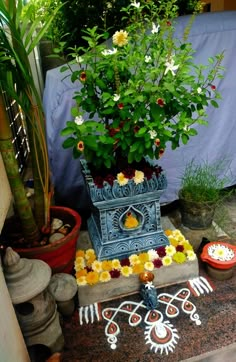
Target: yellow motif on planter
x=131, y=221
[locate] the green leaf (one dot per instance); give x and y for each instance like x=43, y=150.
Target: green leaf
x=69, y=142
x=184, y=138
x=214, y=103
x=66, y=131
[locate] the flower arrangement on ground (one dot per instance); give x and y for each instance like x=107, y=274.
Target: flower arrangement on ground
x=91, y=271
x=138, y=91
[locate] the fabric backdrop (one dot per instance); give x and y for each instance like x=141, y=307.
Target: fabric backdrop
x=211, y=33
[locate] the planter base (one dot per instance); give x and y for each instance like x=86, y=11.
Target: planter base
x=117, y=288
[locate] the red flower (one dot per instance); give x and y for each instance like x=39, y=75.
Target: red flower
x=158, y=170
x=161, y=251
x=110, y=179
x=136, y=129
x=80, y=146
x=157, y=142
x=88, y=269
x=115, y=273
x=120, y=105
x=168, y=23
x=129, y=173
x=179, y=248
x=83, y=76
x=113, y=131
x=161, y=152
x=213, y=87
x=148, y=172
x=98, y=180
x=157, y=263
x=160, y=102
x=125, y=262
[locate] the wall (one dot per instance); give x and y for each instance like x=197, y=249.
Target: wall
x=12, y=345
x=220, y=5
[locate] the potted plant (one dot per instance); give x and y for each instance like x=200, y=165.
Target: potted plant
x=138, y=91
x=18, y=39
x=200, y=193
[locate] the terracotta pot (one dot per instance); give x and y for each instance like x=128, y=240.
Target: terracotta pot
x=59, y=255
x=216, y=263
x=196, y=215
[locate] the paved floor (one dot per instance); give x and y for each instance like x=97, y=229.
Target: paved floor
x=223, y=227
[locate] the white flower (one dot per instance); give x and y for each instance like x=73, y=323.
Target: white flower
x=116, y=97
x=136, y=5
x=170, y=250
x=153, y=134
x=155, y=28
x=147, y=58
x=170, y=66
x=152, y=254
x=79, y=120
x=109, y=51
x=199, y=90
x=79, y=59
x=191, y=255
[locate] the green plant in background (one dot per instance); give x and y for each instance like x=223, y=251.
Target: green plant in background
x=18, y=37
x=78, y=15
x=144, y=89
x=41, y=11
x=202, y=182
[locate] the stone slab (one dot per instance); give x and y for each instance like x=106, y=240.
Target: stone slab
x=122, y=286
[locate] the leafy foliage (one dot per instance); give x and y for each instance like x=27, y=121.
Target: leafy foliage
x=144, y=89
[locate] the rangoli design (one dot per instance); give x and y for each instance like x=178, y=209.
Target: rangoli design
x=159, y=333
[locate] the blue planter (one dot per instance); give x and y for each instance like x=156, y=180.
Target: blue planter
x=113, y=204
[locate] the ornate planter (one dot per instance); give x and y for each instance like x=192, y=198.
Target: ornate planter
x=110, y=236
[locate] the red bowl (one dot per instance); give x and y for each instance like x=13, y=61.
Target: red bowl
x=207, y=256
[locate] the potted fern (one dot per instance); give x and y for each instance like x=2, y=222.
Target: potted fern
x=18, y=39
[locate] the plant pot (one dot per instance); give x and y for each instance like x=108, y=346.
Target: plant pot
x=59, y=255
x=196, y=215
x=110, y=236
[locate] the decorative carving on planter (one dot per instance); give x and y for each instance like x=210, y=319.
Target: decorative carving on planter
x=110, y=233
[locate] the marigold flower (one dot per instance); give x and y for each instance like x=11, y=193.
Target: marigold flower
x=138, y=268
x=89, y=253
x=126, y=271
x=104, y=276
x=160, y=102
x=138, y=177
x=143, y=257
x=129, y=172
x=161, y=251
x=167, y=260
x=168, y=232
x=134, y=259
x=149, y=265
x=81, y=280
x=115, y=264
x=121, y=179
x=179, y=248
x=91, y=260
x=81, y=273
x=80, y=146
x=170, y=250
x=120, y=38
x=125, y=262
x=83, y=76
x=92, y=278
x=179, y=257
x=107, y=265
x=80, y=253
x=173, y=241
x=97, y=266
x=79, y=263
